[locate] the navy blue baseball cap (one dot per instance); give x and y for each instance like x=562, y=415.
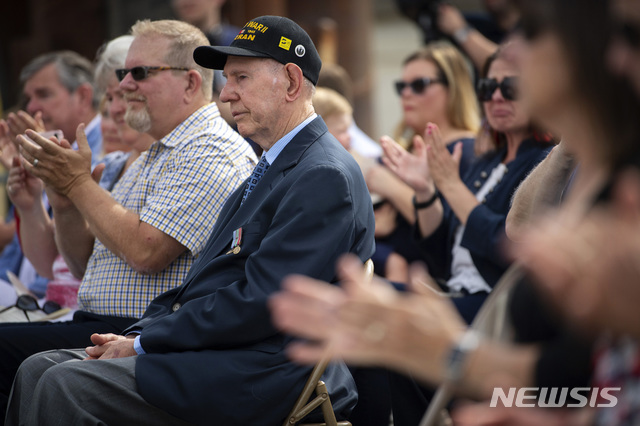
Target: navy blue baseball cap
x=273, y=37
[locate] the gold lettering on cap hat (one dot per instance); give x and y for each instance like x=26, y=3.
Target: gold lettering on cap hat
x=245, y=36
x=258, y=27
x=285, y=43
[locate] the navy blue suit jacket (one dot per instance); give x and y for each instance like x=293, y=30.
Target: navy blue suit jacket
x=213, y=355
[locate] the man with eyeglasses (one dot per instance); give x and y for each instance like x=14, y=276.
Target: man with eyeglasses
x=139, y=241
x=207, y=351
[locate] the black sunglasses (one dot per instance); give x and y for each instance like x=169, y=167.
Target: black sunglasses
x=140, y=73
x=418, y=85
x=629, y=33
x=508, y=87
x=29, y=303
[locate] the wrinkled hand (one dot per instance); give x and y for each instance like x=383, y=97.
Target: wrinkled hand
x=24, y=190
x=368, y=323
x=109, y=346
x=411, y=168
x=443, y=165
x=450, y=19
x=61, y=202
x=60, y=167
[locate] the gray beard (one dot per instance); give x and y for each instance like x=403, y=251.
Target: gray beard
x=139, y=120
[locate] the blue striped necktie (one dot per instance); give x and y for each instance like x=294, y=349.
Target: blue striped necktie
x=257, y=174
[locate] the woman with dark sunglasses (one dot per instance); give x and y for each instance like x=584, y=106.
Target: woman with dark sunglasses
x=436, y=86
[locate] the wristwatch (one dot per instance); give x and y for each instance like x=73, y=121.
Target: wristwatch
x=458, y=355
x=461, y=35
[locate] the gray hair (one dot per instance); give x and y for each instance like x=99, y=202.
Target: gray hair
x=110, y=57
x=184, y=38
x=73, y=69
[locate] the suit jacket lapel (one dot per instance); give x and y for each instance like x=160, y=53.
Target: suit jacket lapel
x=233, y=216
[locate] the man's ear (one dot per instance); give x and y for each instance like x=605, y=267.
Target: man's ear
x=296, y=81
x=194, y=85
x=85, y=93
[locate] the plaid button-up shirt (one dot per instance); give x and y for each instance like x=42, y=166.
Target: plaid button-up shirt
x=179, y=187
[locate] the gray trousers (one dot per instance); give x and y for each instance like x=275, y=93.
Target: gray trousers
x=58, y=388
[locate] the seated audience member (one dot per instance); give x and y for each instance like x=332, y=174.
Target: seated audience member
x=58, y=88
x=592, y=264
x=59, y=95
x=587, y=106
x=111, y=140
x=587, y=264
x=36, y=227
x=336, y=112
x=141, y=239
x=436, y=87
x=305, y=205
x=335, y=77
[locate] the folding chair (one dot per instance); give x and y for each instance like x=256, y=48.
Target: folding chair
x=303, y=406
x=492, y=322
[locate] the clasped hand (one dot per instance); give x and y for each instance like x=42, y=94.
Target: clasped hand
x=110, y=346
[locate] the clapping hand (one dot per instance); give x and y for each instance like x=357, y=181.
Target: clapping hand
x=60, y=167
x=21, y=121
x=369, y=323
x=443, y=165
x=411, y=168
x=8, y=149
x=23, y=189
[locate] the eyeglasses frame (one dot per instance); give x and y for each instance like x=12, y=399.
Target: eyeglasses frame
x=121, y=73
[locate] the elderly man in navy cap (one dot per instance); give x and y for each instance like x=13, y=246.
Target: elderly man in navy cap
x=207, y=352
